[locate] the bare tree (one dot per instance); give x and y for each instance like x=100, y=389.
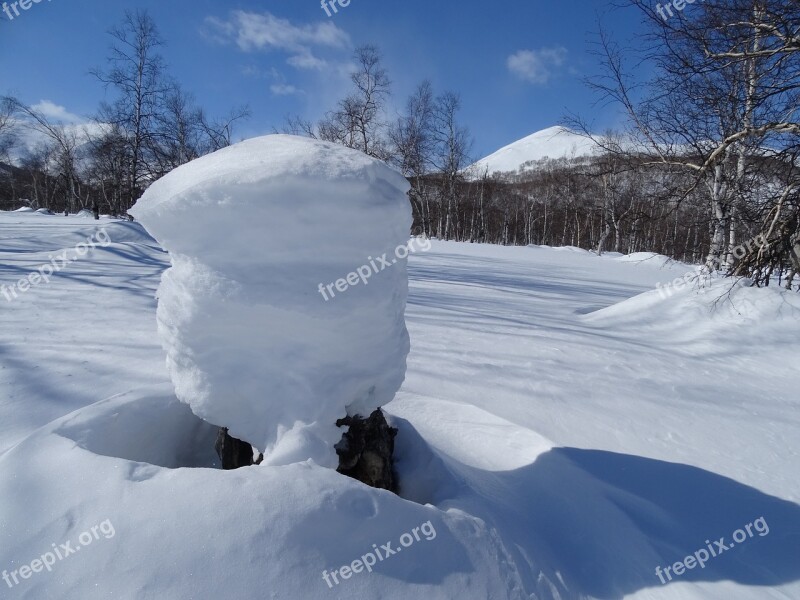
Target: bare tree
x=219, y=133
x=8, y=134
x=108, y=170
x=451, y=156
x=412, y=148
x=177, y=138
x=137, y=72
x=296, y=125
x=724, y=94
x=65, y=144
x=358, y=121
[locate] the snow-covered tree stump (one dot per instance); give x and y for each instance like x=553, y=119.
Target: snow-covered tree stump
x=284, y=309
x=233, y=453
x=366, y=451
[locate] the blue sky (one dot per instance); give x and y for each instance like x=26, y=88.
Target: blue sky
x=517, y=64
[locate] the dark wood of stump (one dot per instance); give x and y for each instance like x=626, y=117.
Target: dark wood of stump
x=233, y=453
x=366, y=451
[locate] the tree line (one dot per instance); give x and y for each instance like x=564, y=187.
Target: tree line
x=707, y=163
x=708, y=159
x=152, y=126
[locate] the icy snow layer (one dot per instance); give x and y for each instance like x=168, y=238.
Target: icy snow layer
x=570, y=429
x=252, y=344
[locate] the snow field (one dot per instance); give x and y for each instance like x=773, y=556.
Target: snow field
x=565, y=430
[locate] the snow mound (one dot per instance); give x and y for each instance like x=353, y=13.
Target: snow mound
x=25, y=209
x=44, y=211
x=571, y=249
x=68, y=232
x=252, y=344
x=707, y=315
x=126, y=232
x=206, y=533
x=641, y=257
x=85, y=214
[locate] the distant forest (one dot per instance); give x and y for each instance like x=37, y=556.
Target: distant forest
x=708, y=162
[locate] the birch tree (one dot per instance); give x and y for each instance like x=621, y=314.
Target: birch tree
x=136, y=71
x=724, y=95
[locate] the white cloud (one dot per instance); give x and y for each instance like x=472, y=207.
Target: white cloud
x=252, y=31
x=56, y=112
x=30, y=137
x=306, y=60
x=284, y=89
x=536, y=66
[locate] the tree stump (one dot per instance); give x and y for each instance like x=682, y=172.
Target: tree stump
x=232, y=452
x=366, y=451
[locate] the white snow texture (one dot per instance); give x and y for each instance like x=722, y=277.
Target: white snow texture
x=251, y=343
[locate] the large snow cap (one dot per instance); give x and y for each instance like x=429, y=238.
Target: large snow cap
x=252, y=344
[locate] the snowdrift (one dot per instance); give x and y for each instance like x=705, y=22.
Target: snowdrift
x=708, y=315
x=641, y=257
x=183, y=532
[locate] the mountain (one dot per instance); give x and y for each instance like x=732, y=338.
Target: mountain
x=553, y=142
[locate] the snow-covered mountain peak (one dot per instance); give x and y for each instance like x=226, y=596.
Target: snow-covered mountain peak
x=553, y=142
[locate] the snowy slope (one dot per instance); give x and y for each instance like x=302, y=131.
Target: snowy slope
x=563, y=429
x=554, y=142
x=78, y=338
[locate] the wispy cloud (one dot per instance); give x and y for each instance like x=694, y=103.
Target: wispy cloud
x=57, y=113
x=253, y=31
x=536, y=66
x=31, y=138
x=306, y=60
x=284, y=89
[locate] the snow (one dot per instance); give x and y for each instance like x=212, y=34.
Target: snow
x=252, y=344
x=644, y=256
x=563, y=426
x=553, y=142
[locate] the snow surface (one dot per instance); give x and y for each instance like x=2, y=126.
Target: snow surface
x=563, y=427
x=252, y=344
x=554, y=142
